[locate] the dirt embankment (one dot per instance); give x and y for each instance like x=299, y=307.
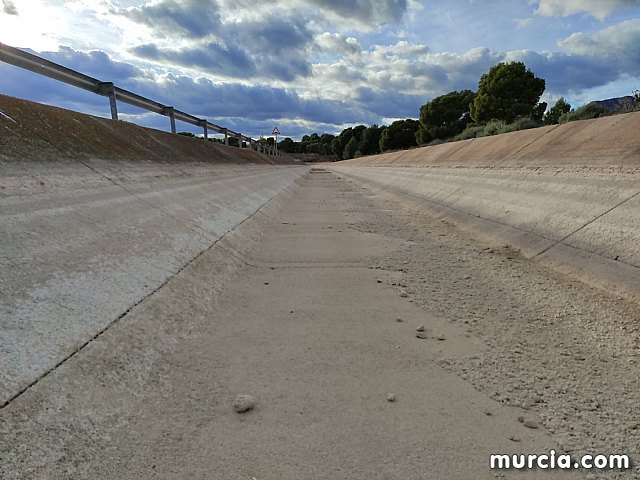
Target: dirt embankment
x=609, y=141
x=31, y=131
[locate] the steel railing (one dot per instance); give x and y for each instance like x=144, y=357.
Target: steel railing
x=34, y=63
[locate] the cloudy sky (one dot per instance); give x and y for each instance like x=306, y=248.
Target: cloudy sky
x=316, y=65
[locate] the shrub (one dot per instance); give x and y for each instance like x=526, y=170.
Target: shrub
x=497, y=127
x=469, y=132
x=587, y=112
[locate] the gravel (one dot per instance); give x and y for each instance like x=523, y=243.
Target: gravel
x=555, y=346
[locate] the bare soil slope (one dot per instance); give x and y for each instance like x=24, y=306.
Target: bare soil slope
x=31, y=131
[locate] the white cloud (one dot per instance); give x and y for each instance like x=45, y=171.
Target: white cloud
x=9, y=7
x=599, y=9
x=339, y=44
x=523, y=22
x=616, y=45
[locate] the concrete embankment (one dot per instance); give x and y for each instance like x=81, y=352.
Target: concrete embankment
x=97, y=215
x=568, y=195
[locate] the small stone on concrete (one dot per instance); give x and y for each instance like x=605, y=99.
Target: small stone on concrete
x=422, y=335
x=513, y=438
x=244, y=403
x=420, y=328
x=391, y=397
x=399, y=320
x=404, y=294
x=530, y=423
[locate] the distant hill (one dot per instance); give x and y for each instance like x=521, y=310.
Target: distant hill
x=618, y=104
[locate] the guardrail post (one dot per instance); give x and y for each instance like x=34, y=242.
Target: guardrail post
x=170, y=112
x=108, y=89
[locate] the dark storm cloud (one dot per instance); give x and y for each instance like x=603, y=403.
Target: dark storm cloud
x=397, y=105
x=193, y=18
x=205, y=98
x=370, y=12
x=95, y=63
x=271, y=49
x=564, y=73
x=274, y=47
x=229, y=61
x=271, y=34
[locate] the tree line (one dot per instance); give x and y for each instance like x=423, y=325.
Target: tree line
x=507, y=99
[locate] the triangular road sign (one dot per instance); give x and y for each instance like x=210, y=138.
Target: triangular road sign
x=275, y=131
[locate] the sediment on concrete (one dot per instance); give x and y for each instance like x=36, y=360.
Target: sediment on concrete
x=568, y=195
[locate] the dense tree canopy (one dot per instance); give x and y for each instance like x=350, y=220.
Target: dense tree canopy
x=506, y=92
x=370, y=141
x=401, y=134
x=445, y=116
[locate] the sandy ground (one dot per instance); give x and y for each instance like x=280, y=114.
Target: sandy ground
x=299, y=307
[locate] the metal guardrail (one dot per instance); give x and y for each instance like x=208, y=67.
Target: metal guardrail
x=36, y=64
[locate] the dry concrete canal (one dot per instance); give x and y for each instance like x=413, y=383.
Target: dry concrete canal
x=378, y=337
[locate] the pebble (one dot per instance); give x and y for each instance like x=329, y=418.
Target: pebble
x=391, y=397
x=399, y=320
x=420, y=328
x=442, y=338
x=513, y=438
x=422, y=335
x=379, y=281
x=530, y=423
x=244, y=403
x=404, y=294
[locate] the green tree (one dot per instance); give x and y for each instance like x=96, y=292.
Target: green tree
x=288, y=146
x=506, y=92
x=445, y=116
x=401, y=134
x=351, y=149
x=358, y=132
x=338, y=145
x=370, y=141
x=327, y=138
x=553, y=115
x=315, y=147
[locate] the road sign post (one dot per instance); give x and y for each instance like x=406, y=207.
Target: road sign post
x=276, y=132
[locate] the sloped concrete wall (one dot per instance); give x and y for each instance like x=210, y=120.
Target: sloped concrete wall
x=568, y=195
x=86, y=237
